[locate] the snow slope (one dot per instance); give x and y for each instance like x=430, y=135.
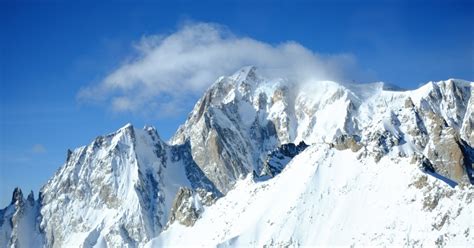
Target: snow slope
x=330, y=198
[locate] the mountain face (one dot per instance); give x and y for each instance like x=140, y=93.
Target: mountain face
x=242, y=117
x=233, y=176
x=117, y=190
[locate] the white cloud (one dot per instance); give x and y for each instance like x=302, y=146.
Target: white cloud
x=171, y=68
x=38, y=149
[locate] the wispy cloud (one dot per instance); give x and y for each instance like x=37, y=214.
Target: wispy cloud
x=170, y=68
x=38, y=149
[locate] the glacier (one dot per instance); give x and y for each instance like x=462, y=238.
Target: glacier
x=374, y=165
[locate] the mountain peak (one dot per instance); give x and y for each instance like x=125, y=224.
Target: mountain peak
x=247, y=73
x=17, y=195
x=31, y=197
x=151, y=130
x=127, y=126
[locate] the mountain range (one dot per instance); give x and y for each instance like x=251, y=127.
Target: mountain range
x=270, y=162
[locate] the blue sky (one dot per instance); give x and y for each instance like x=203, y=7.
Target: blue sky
x=53, y=52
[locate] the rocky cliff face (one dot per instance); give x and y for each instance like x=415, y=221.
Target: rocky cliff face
x=188, y=205
x=124, y=188
x=228, y=129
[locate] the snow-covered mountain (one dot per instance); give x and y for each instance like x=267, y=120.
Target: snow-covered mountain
x=243, y=116
x=327, y=197
x=383, y=166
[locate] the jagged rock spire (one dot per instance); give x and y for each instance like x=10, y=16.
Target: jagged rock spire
x=17, y=196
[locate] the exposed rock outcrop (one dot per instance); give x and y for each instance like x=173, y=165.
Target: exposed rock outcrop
x=188, y=205
x=344, y=141
x=279, y=158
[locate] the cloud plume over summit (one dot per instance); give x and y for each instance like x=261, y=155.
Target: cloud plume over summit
x=168, y=69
